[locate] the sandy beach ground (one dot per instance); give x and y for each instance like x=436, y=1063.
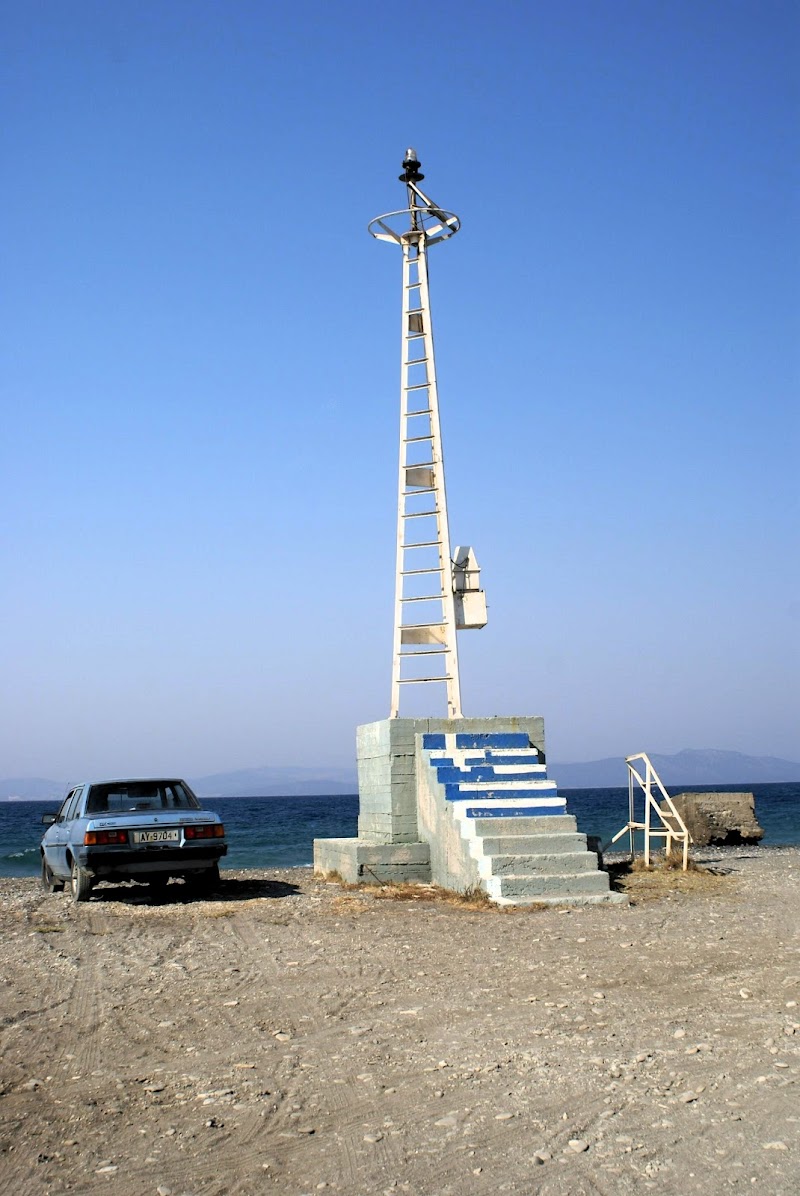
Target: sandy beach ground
x=294, y=1037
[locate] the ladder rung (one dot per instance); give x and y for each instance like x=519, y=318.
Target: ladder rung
x=421, y=680
x=424, y=544
x=419, y=490
x=417, y=439
x=425, y=598
x=417, y=626
x=419, y=514
x=422, y=411
x=414, y=336
x=417, y=386
x=417, y=572
x=424, y=652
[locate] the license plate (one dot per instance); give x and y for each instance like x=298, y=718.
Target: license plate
x=156, y=836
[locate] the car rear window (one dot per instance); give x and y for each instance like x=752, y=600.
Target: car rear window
x=121, y=798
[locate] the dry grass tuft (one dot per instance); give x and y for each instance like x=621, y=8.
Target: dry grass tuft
x=404, y=890
x=664, y=863
x=472, y=898
x=665, y=877
x=372, y=889
x=675, y=861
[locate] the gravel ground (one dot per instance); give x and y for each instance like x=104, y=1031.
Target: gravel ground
x=292, y=1036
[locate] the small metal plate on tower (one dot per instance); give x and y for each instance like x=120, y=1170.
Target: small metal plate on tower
x=435, y=633
x=420, y=476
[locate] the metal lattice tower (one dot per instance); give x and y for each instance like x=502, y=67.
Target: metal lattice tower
x=430, y=589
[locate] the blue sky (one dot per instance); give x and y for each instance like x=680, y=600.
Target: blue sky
x=200, y=372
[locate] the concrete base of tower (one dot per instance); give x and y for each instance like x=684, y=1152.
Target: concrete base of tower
x=358, y=861
x=465, y=804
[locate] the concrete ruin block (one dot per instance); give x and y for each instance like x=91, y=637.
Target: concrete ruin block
x=369, y=863
x=721, y=819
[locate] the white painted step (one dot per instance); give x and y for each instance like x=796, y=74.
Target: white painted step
x=548, y=885
x=561, y=864
x=533, y=844
x=546, y=824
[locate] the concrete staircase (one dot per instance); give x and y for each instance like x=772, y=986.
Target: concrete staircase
x=518, y=842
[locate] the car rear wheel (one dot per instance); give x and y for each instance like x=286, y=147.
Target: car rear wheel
x=49, y=882
x=80, y=882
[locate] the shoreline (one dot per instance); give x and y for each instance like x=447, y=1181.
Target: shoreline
x=700, y=855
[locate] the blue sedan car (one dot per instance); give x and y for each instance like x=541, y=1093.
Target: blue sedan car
x=146, y=830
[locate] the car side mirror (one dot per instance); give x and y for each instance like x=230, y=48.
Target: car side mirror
x=48, y=819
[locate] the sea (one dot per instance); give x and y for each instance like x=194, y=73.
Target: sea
x=278, y=832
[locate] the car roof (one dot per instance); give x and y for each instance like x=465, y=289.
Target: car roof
x=133, y=781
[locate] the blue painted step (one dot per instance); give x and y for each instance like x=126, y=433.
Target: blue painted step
x=516, y=811
x=434, y=743
x=492, y=793
x=485, y=772
x=449, y=761
x=498, y=739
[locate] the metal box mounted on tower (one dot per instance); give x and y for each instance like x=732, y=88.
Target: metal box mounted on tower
x=470, y=599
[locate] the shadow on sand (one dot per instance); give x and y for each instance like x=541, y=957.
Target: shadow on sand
x=179, y=893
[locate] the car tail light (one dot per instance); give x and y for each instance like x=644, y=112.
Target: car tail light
x=100, y=838
x=214, y=831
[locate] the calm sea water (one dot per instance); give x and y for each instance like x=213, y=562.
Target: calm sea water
x=278, y=832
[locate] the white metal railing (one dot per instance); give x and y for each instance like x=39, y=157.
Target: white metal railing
x=670, y=827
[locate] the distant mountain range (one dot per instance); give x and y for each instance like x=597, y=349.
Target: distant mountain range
x=690, y=767
x=276, y=782
x=269, y=781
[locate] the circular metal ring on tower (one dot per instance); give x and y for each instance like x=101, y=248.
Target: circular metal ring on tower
x=434, y=223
